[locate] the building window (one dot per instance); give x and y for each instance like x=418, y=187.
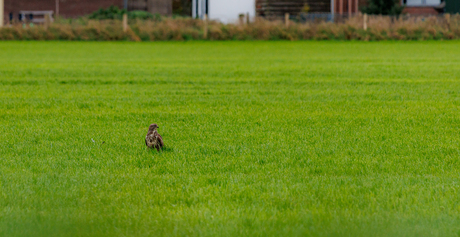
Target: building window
x=418, y=3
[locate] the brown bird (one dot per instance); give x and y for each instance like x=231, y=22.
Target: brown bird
x=153, y=139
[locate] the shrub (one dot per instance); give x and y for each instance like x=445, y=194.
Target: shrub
x=383, y=7
x=111, y=13
x=114, y=13
x=180, y=29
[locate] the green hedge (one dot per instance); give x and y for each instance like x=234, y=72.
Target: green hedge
x=114, y=13
x=379, y=28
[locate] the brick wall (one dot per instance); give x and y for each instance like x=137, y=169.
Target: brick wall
x=67, y=8
x=420, y=10
x=345, y=5
x=280, y=7
x=162, y=7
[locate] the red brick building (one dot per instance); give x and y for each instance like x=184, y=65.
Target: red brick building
x=348, y=6
x=423, y=7
x=77, y=8
x=64, y=8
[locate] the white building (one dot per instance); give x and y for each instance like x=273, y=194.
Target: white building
x=225, y=11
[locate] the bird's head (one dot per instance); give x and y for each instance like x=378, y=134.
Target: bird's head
x=153, y=127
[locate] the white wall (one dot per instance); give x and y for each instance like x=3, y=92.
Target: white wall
x=423, y=2
x=227, y=11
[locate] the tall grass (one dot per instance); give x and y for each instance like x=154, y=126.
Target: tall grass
x=379, y=28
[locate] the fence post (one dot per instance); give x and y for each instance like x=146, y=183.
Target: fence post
x=2, y=5
x=247, y=18
x=365, y=21
x=447, y=16
x=241, y=18
x=125, y=22
x=286, y=19
x=47, y=21
x=205, y=26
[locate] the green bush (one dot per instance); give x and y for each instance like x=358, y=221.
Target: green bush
x=111, y=13
x=114, y=13
x=143, y=15
x=180, y=29
x=383, y=7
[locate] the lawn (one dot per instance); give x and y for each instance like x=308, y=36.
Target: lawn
x=263, y=139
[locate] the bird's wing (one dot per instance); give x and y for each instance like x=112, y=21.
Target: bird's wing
x=161, y=140
x=146, y=141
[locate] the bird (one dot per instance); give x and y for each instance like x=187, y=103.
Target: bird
x=153, y=139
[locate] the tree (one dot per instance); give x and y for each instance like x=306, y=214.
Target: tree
x=383, y=7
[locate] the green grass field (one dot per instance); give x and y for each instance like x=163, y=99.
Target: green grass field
x=264, y=139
